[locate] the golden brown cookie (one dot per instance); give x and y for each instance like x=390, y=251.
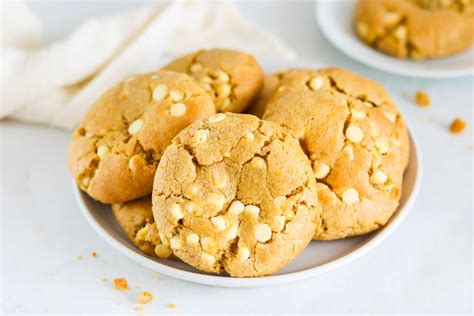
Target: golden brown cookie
x=356, y=140
x=419, y=29
x=236, y=194
x=233, y=78
x=116, y=148
x=136, y=219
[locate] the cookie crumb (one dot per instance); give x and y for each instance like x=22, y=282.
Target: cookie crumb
x=104, y=280
x=139, y=308
x=80, y=257
x=94, y=254
x=422, y=99
x=145, y=297
x=457, y=126
x=156, y=277
x=172, y=306
x=121, y=284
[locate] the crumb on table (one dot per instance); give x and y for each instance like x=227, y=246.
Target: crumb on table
x=422, y=98
x=172, y=306
x=80, y=257
x=94, y=254
x=121, y=284
x=457, y=126
x=145, y=297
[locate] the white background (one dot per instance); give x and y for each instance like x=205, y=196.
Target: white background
x=425, y=266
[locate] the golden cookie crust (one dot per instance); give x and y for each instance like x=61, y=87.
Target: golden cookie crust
x=418, y=29
x=356, y=140
x=136, y=220
x=233, y=78
x=115, y=150
x=235, y=194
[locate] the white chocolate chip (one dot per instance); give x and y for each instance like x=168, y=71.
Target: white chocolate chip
x=103, y=151
x=190, y=207
x=316, y=83
x=236, y=208
x=196, y=67
x=160, y=92
x=358, y=115
x=222, y=76
x=223, y=90
x=278, y=223
x=226, y=154
x=321, y=170
x=162, y=251
x=350, y=196
x=354, y=133
x=86, y=181
x=208, y=259
x=178, y=109
x=225, y=104
x=176, y=211
x=176, y=96
x=392, y=117
x=219, y=223
x=401, y=33
x=348, y=152
x=216, y=200
x=201, y=136
x=163, y=239
x=208, y=244
x=257, y=162
x=217, y=118
x=378, y=177
x=279, y=200
x=191, y=190
x=206, y=79
x=252, y=209
x=192, y=239
x=381, y=145
x=175, y=242
x=232, y=232
x=89, y=135
x=136, y=163
x=135, y=127
x=263, y=233
x=391, y=18
x=368, y=104
x=250, y=136
x=243, y=254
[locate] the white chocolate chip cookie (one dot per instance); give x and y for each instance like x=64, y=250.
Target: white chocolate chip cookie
x=115, y=151
x=418, y=29
x=233, y=78
x=136, y=219
x=247, y=205
x=358, y=153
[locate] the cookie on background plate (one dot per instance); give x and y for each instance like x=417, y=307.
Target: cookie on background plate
x=233, y=78
x=235, y=194
x=357, y=143
x=418, y=29
x=115, y=150
x=136, y=219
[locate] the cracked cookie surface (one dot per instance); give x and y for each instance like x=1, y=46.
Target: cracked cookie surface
x=115, y=150
x=136, y=219
x=419, y=29
x=235, y=194
x=356, y=140
x=234, y=79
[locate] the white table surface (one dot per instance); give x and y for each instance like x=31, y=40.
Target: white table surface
x=425, y=266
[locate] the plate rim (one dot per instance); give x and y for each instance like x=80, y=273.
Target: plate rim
x=380, y=66
x=225, y=281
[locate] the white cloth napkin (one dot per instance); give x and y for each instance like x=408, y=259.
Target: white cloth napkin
x=56, y=84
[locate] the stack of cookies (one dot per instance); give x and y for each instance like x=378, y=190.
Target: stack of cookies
x=190, y=177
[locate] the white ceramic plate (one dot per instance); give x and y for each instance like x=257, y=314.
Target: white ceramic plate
x=335, y=19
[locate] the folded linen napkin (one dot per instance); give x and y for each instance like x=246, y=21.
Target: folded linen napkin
x=56, y=84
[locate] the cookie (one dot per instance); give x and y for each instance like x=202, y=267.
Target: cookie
x=235, y=194
x=356, y=140
x=418, y=29
x=115, y=150
x=233, y=78
x=136, y=220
